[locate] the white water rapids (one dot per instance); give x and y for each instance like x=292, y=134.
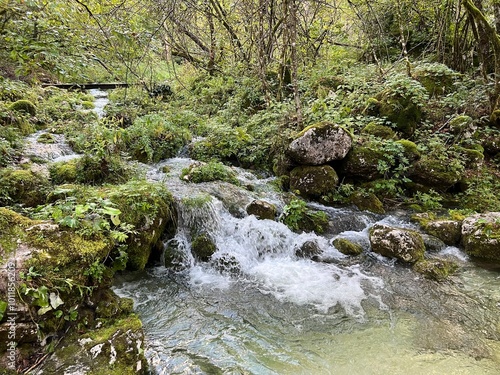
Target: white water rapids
x=258, y=308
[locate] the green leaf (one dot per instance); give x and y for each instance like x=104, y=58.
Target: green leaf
x=43, y=310
x=55, y=300
x=115, y=220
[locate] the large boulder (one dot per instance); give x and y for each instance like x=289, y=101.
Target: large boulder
x=319, y=144
x=403, y=244
x=481, y=235
x=313, y=181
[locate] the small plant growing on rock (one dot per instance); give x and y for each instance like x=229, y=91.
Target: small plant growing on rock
x=298, y=217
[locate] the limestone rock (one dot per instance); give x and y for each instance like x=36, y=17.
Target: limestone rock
x=481, y=235
x=446, y=230
x=319, y=144
x=403, y=244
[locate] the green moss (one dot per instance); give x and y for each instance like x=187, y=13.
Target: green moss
x=22, y=186
x=203, y=247
x=298, y=217
x=410, y=149
x=380, y=131
x=87, y=105
x=495, y=118
x=212, y=171
x=438, y=174
x=367, y=202
x=93, y=169
x=63, y=172
x=347, y=247
x=24, y=106
x=46, y=138
x=435, y=269
x=362, y=162
x=13, y=228
x=313, y=181
x=459, y=124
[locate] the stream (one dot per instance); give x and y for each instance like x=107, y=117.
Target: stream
x=258, y=308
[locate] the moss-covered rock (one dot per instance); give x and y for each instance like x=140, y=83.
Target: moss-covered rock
x=64, y=172
x=447, y=230
x=96, y=170
x=473, y=159
x=380, y=131
x=410, y=150
x=362, y=162
x=22, y=186
x=313, y=181
x=149, y=208
x=438, y=174
x=367, y=202
x=432, y=243
x=399, y=109
x=319, y=144
x=46, y=138
x=116, y=348
x=262, y=209
x=495, y=118
x=460, y=124
x=203, y=247
x=347, y=247
x=403, y=244
x=435, y=269
x=436, y=78
x=481, y=235
x=205, y=172
x=24, y=106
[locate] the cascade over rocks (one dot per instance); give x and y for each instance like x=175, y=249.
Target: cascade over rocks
x=403, y=244
x=481, y=235
x=319, y=144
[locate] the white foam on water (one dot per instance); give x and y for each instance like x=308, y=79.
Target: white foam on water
x=321, y=285
x=455, y=252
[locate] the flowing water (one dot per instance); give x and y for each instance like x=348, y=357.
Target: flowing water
x=258, y=308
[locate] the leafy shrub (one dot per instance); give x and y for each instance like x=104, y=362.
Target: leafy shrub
x=153, y=138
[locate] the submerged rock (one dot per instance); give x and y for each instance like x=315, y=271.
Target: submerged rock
x=319, y=144
x=403, y=244
x=435, y=269
x=481, y=235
